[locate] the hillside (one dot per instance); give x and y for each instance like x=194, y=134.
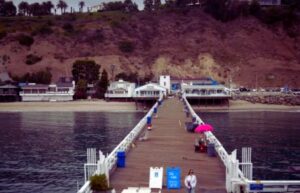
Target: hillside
x=180, y=43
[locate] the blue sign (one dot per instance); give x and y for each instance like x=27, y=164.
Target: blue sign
x=256, y=186
x=173, y=177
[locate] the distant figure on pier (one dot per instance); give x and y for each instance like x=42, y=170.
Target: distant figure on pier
x=190, y=182
x=146, y=134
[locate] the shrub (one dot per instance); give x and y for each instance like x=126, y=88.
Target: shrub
x=99, y=182
x=25, y=40
x=68, y=27
x=126, y=46
x=3, y=34
x=32, y=59
x=40, y=77
x=272, y=16
x=42, y=30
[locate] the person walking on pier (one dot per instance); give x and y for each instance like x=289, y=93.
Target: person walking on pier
x=190, y=182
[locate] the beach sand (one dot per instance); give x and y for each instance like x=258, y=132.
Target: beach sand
x=103, y=106
x=240, y=105
x=71, y=106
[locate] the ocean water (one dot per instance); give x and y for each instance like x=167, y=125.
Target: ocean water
x=273, y=136
x=45, y=152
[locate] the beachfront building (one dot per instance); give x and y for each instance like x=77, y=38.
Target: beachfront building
x=9, y=93
x=63, y=90
x=150, y=91
x=120, y=90
x=176, y=83
x=205, y=90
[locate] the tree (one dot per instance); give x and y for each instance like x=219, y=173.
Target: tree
x=2, y=2
x=148, y=5
x=130, y=6
x=62, y=5
x=81, y=5
x=80, y=90
x=114, y=6
x=102, y=85
x=157, y=4
x=35, y=9
x=7, y=8
x=86, y=70
x=24, y=8
x=47, y=7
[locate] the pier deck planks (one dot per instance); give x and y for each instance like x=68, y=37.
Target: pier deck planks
x=169, y=144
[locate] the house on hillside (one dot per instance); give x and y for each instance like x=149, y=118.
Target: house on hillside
x=63, y=90
x=120, y=90
x=150, y=91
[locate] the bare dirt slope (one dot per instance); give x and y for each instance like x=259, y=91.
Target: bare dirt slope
x=180, y=43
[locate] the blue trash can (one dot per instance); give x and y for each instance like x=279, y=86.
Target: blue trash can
x=211, y=152
x=155, y=110
x=121, y=159
x=149, y=119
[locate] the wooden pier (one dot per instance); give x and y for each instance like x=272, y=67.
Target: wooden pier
x=169, y=145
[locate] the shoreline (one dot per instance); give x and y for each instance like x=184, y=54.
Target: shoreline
x=112, y=106
x=69, y=106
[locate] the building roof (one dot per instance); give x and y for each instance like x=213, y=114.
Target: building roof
x=4, y=76
x=188, y=79
x=9, y=86
x=151, y=87
x=64, y=84
x=203, y=87
x=35, y=86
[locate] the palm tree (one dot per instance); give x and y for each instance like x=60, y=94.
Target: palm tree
x=62, y=5
x=81, y=5
x=48, y=6
x=23, y=8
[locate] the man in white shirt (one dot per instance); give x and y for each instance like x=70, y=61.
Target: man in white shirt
x=190, y=182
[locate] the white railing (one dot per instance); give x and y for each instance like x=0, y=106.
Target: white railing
x=236, y=180
x=124, y=145
x=207, y=94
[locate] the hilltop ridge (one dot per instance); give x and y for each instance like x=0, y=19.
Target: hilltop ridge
x=182, y=43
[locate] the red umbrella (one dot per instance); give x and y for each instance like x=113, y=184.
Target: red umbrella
x=204, y=127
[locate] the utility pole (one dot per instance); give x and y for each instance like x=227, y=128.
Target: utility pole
x=256, y=81
x=112, y=68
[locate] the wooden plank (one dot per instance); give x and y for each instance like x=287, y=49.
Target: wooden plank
x=169, y=144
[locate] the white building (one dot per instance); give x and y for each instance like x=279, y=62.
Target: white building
x=96, y=8
x=205, y=91
x=120, y=90
x=165, y=82
x=62, y=91
x=149, y=91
